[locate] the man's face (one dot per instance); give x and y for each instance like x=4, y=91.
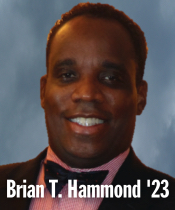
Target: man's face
x=89, y=95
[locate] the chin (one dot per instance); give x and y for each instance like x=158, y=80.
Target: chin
x=83, y=153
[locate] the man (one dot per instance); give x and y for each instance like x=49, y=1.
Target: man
x=91, y=94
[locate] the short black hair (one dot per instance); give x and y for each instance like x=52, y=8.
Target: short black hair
x=106, y=11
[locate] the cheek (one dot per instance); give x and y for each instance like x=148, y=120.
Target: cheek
x=53, y=110
x=56, y=99
x=55, y=105
x=122, y=101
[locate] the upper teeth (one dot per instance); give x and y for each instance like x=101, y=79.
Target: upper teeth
x=87, y=121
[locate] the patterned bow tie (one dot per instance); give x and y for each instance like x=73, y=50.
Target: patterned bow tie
x=55, y=171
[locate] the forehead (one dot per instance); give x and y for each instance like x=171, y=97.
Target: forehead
x=95, y=38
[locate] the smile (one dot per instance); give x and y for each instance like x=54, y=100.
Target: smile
x=86, y=121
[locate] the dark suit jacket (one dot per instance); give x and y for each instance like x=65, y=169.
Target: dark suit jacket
x=129, y=173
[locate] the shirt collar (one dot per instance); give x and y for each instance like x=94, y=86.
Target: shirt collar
x=112, y=166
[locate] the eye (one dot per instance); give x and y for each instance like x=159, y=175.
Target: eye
x=68, y=75
x=110, y=77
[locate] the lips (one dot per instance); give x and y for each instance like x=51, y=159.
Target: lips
x=87, y=123
x=83, y=121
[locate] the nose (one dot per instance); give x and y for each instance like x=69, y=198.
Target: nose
x=87, y=90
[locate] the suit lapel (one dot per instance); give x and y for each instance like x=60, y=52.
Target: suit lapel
x=127, y=174
x=29, y=171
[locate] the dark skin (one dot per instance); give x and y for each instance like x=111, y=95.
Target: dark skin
x=91, y=74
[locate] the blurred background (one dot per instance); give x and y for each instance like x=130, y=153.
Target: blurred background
x=24, y=26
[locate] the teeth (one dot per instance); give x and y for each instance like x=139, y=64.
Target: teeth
x=87, y=121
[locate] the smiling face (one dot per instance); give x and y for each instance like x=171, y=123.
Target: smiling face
x=89, y=94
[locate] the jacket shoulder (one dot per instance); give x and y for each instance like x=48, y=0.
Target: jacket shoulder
x=18, y=171
x=154, y=174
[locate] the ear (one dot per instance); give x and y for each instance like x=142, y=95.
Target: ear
x=43, y=82
x=141, y=96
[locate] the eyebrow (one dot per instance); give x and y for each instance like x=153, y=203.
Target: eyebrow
x=66, y=62
x=106, y=64
x=61, y=63
x=111, y=65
